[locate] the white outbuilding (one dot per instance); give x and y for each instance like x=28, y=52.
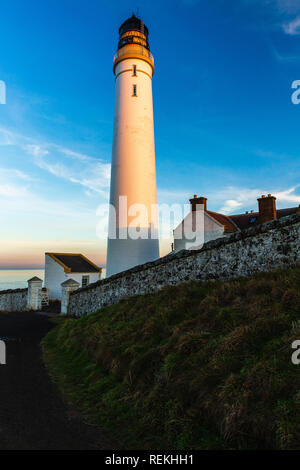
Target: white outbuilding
x=201, y=226
x=59, y=267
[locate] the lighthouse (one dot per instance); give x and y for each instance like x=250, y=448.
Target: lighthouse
x=133, y=220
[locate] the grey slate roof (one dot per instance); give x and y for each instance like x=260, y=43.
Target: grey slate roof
x=75, y=263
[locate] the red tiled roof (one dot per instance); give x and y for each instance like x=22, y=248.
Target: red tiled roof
x=243, y=221
x=229, y=225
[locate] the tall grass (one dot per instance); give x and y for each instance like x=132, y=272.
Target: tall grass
x=197, y=366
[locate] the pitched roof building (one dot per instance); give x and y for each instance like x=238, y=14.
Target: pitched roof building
x=60, y=267
x=215, y=225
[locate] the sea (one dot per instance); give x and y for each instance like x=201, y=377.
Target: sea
x=17, y=278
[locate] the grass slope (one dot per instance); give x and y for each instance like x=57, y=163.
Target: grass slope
x=197, y=366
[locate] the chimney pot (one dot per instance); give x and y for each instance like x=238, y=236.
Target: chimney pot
x=196, y=201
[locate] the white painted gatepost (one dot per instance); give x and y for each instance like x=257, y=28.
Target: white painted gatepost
x=66, y=288
x=34, y=298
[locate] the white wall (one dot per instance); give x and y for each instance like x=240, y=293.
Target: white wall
x=54, y=276
x=212, y=231
x=94, y=277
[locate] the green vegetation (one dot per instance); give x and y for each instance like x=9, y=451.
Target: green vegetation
x=197, y=366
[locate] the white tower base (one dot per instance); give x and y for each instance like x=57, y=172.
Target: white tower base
x=125, y=254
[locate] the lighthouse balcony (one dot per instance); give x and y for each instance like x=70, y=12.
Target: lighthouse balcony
x=133, y=51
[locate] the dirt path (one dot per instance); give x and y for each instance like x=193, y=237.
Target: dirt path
x=32, y=415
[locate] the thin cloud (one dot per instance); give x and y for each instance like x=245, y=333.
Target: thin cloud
x=288, y=195
x=288, y=6
x=89, y=172
x=36, y=150
x=243, y=198
x=94, y=176
x=234, y=199
x=13, y=184
x=281, y=15
x=230, y=206
x=11, y=191
x=71, y=153
x=284, y=58
x=273, y=155
x=17, y=197
x=293, y=27
x=290, y=10
x=6, y=173
x=7, y=137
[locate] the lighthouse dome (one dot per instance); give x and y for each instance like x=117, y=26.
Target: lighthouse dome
x=133, y=31
x=133, y=24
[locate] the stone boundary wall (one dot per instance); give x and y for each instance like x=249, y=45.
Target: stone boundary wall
x=18, y=300
x=13, y=300
x=265, y=247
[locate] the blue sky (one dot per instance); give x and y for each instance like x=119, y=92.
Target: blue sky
x=225, y=125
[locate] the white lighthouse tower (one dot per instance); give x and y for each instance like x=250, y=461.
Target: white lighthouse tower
x=133, y=236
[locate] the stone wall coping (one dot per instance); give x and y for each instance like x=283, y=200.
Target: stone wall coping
x=219, y=242
x=13, y=291
x=70, y=282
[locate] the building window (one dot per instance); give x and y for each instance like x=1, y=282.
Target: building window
x=85, y=281
x=134, y=71
x=134, y=93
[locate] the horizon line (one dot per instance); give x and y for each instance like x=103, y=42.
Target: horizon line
x=19, y=268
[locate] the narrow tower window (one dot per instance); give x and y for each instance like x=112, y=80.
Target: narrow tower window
x=134, y=91
x=134, y=71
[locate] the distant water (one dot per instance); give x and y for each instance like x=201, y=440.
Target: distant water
x=17, y=278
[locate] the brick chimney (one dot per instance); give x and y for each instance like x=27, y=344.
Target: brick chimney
x=198, y=200
x=267, y=208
